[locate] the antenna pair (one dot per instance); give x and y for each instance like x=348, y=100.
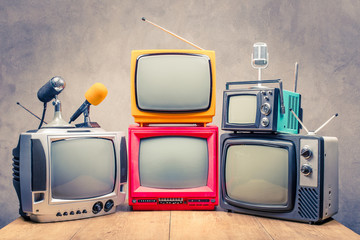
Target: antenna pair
x=317, y=130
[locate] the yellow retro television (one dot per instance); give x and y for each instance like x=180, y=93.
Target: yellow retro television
x=173, y=86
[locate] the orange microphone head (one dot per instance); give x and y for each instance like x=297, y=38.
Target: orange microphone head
x=96, y=93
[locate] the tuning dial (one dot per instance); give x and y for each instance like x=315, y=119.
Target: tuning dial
x=306, y=169
x=108, y=205
x=265, y=109
x=97, y=207
x=265, y=122
x=306, y=152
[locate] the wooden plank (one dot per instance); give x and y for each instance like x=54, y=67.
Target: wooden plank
x=332, y=229
x=120, y=225
x=127, y=225
x=214, y=225
x=21, y=229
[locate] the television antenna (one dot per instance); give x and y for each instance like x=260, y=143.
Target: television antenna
x=173, y=34
x=296, y=75
x=317, y=130
x=30, y=112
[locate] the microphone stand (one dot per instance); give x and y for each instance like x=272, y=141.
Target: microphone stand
x=87, y=123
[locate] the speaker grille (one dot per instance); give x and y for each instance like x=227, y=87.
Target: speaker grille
x=308, y=207
x=293, y=104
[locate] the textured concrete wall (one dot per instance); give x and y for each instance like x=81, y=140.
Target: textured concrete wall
x=88, y=41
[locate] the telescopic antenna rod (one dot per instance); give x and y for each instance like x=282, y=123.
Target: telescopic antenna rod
x=314, y=132
x=296, y=75
x=173, y=34
x=334, y=116
x=299, y=121
x=29, y=111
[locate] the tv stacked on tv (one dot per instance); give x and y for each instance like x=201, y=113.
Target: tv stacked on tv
x=266, y=167
x=173, y=153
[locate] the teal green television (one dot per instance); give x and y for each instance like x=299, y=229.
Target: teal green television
x=260, y=108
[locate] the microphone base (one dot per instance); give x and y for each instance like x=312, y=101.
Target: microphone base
x=58, y=121
x=87, y=125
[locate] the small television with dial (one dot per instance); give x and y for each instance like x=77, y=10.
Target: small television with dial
x=260, y=109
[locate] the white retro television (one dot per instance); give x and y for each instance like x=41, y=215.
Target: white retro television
x=69, y=173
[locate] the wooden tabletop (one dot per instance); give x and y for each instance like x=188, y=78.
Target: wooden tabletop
x=217, y=225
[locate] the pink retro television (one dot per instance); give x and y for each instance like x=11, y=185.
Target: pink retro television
x=173, y=168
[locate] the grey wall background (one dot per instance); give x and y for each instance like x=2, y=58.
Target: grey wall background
x=88, y=41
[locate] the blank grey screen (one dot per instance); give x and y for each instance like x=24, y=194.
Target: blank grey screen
x=82, y=168
x=242, y=109
x=257, y=174
x=173, y=162
x=173, y=82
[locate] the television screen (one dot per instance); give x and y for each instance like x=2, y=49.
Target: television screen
x=257, y=174
x=82, y=174
x=242, y=109
x=173, y=162
x=173, y=82
x=173, y=167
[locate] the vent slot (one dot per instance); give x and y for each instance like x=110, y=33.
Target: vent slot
x=293, y=104
x=16, y=162
x=16, y=169
x=308, y=207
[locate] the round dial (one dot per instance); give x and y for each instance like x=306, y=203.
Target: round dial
x=265, y=122
x=108, y=205
x=265, y=109
x=97, y=207
x=306, y=152
x=306, y=169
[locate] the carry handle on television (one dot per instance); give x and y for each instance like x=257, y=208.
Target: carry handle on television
x=282, y=106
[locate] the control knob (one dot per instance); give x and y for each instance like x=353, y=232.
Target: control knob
x=108, y=205
x=97, y=207
x=306, y=152
x=265, y=109
x=265, y=122
x=306, y=169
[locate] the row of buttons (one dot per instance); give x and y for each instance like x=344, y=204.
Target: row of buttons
x=170, y=199
x=269, y=92
x=198, y=200
x=145, y=201
x=59, y=214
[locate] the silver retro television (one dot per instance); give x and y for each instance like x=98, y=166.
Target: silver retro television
x=69, y=173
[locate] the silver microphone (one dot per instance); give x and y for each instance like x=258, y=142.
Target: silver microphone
x=260, y=55
x=52, y=88
x=260, y=58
